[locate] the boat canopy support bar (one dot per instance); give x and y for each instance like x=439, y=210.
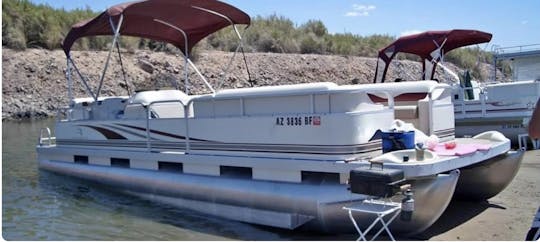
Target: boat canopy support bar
x=71, y=63
x=187, y=59
x=122, y=67
x=114, y=42
x=228, y=67
x=239, y=47
x=186, y=53
x=202, y=77
x=70, y=80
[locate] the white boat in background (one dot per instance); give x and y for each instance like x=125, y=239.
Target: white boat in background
x=279, y=156
x=503, y=106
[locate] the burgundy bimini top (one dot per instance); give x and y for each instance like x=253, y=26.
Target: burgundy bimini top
x=197, y=18
x=423, y=44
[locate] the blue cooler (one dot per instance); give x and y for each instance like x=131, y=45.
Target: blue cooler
x=395, y=140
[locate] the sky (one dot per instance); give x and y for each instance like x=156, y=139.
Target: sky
x=512, y=23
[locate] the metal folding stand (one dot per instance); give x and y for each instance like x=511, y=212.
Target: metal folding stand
x=379, y=208
x=522, y=141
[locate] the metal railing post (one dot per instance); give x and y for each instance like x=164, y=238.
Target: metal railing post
x=312, y=103
x=148, y=113
x=463, y=101
x=186, y=116
x=483, y=102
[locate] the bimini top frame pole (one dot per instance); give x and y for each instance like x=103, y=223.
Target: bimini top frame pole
x=71, y=63
x=186, y=53
x=115, y=39
x=240, y=45
x=187, y=60
x=70, y=81
x=153, y=19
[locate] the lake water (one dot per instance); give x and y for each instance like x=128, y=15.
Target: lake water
x=39, y=205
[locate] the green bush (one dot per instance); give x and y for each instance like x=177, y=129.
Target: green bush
x=310, y=43
x=468, y=58
x=316, y=27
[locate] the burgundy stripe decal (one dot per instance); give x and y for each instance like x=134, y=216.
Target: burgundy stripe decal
x=160, y=132
x=109, y=134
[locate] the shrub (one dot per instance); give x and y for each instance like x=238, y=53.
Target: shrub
x=312, y=44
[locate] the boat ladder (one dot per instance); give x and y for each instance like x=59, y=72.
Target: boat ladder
x=48, y=138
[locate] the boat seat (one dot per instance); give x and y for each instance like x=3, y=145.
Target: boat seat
x=147, y=97
x=406, y=112
x=168, y=108
x=109, y=108
x=105, y=108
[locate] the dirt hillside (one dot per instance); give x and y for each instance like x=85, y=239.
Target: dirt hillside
x=34, y=83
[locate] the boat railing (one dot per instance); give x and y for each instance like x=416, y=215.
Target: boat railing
x=48, y=138
x=186, y=117
x=513, y=53
x=481, y=98
x=515, y=49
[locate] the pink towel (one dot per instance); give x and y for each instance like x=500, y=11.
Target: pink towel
x=460, y=149
x=482, y=146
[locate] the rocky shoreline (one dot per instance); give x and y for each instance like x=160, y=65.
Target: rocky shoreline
x=34, y=83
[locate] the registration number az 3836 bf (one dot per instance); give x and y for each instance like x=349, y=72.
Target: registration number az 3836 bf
x=299, y=121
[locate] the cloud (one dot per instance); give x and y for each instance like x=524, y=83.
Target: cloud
x=525, y=22
x=351, y=14
x=360, y=10
x=410, y=32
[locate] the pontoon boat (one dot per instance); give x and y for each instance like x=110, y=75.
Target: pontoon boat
x=279, y=156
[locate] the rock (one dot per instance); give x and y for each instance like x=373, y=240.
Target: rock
x=146, y=66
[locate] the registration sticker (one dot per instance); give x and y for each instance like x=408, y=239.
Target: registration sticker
x=299, y=121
